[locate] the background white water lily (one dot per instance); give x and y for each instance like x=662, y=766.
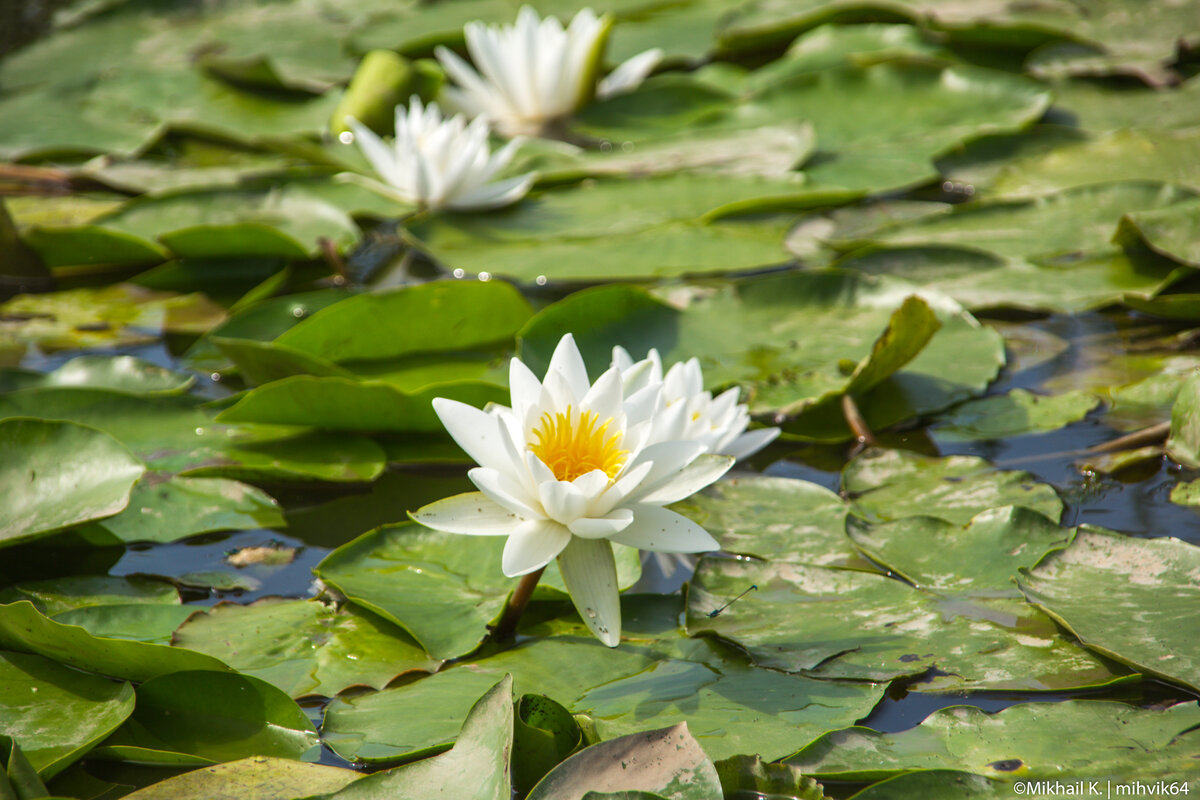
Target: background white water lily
x=439, y=163
x=535, y=72
x=691, y=413
x=569, y=468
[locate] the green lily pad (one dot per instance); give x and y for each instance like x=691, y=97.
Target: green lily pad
x=57, y=713
x=544, y=733
x=175, y=434
x=935, y=784
x=476, y=766
x=259, y=777
x=757, y=332
x=441, y=588
x=1017, y=413
x=877, y=628
x=304, y=647
x=978, y=559
x=19, y=779
x=349, y=405
x=142, y=622
x=1021, y=742
x=667, y=762
x=1183, y=445
x=894, y=484
x=53, y=597
x=775, y=518
x=167, y=510
x=1170, y=231
x=432, y=317
x=752, y=774
x=23, y=629
x=59, y=474
x=210, y=717
x=1122, y=597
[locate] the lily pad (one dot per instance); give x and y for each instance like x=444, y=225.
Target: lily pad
x=57, y=713
x=894, y=484
x=59, y=474
x=876, y=628
x=259, y=777
x=167, y=510
x=1017, y=413
x=757, y=332
x=1170, y=231
x=667, y=762
x=1022, y=742
x=141, y=622
x=476, y=766
x=776, y=518
x=120, y=373
x=303, y=647
x=1122, y=597
x=1183, y=445
x=441, y=588
x=211, y=717
x=56, y=596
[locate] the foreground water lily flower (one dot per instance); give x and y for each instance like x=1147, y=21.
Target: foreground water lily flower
x=691, y=413
x=536, y=72
x=568, y=469
x=439, y=163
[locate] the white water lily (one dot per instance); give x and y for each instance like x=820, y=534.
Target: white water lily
x=439, y=163
x=536, y=72
x=568, y=469
x=691, y=413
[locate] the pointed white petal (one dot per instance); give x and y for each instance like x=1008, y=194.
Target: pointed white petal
x=524, y=387
x=532, y=545
x=592, y=484
x=621, y=358
x=655, y=528
x=480, y=434
x=590, y=573
x=471, y=513
x=751, y=442
x=605, y=397
x=568, y=362
x=495, y=195
x=505, y=491
x=689, y=480
x=376, y=152
x=629, y=75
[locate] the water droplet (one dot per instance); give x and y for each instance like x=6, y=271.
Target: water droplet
x=969, y=189
x=606, y=146
x=948, y=186
x=35, y=688
x=199, y=431
x=591, y=612
x=485, y=276
x=215, y=377
x=346, y=137
x=627, y=147
x=540, y=280
x=459, y=272
x=299, y=312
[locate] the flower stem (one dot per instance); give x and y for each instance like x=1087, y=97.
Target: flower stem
x=507, y=625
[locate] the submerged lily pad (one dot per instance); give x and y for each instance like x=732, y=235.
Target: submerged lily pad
x=1017, y=413
x=58, y=474
x=1124, y=598
x=164, y=511
x=894, y=484
x=259, y=777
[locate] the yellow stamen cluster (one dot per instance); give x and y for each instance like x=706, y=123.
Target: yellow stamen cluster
x=572, y=446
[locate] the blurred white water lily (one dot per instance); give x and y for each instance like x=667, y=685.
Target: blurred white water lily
x=568, y=469
x=438, y=163
x=692, y=414
x=536, y=72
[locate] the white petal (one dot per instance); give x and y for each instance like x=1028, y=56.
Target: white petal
x=629, y=75
x=602, y=527
x=751, y=442
x=592, y=484
x=376, y=151
x=655, y=528
x=495, y=195
x=562, y=501
x=532, y=545
x=471, y=513
x=524, y=388
x=568, y=362
x=505, y=491
x=480, y=434
x=590, y=573
x=605, y=396
x=689, y=480
x=667, y=459
x=621, y=358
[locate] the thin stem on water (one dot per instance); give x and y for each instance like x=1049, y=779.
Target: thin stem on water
x=507, y=625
